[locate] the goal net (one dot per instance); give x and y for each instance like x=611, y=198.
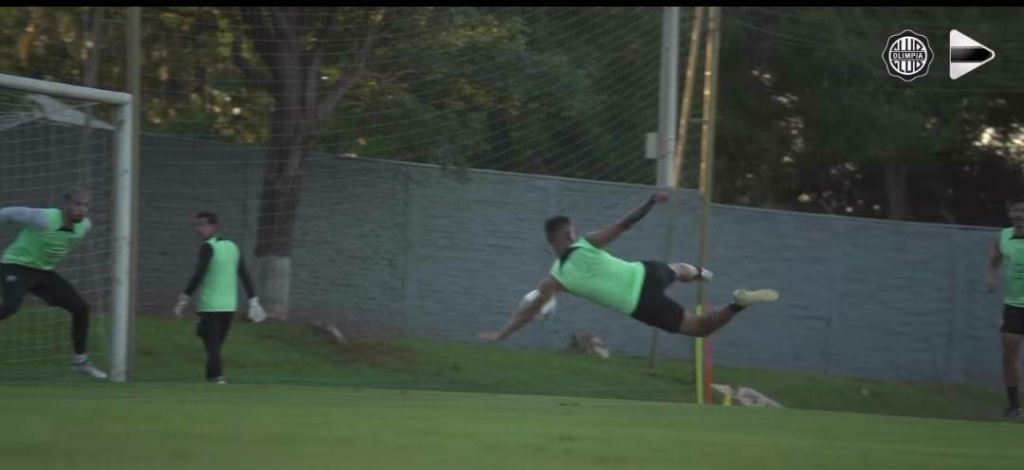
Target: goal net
x=53, y=137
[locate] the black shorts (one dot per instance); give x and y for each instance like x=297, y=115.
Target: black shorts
x=17, y=280
x=1013, y=320
x=214, y=326
x=655, y=308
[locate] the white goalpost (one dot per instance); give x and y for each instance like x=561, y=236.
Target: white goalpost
x=43, y=135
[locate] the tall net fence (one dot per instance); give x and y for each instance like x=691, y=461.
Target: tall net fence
x=567, y=92
x=387, y=171
x=366, y=234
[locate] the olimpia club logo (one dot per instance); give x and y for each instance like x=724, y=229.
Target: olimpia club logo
x=907, y=55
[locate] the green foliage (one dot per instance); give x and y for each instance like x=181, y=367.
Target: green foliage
x=857, y=127
x=805, y=104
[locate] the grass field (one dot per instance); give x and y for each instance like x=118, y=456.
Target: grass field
x=172, y=426
x=298, y=401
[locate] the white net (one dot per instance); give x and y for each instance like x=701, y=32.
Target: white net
x=47, y=145
x=560, y=92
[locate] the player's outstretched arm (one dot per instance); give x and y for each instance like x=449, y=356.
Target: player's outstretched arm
x=995, y=260
x=608, y=234
x=25, y=216
x=549, y=286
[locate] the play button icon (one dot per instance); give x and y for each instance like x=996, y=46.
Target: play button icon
x=966, y=54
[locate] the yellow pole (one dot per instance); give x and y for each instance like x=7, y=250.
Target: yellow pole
x=691, y=72
x=706, y=174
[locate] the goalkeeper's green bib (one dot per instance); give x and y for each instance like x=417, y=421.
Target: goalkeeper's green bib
x=1013, y=260
x=219, y=290
x=599, y=277
x=44, y=249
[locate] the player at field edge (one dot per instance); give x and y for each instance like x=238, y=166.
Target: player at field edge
x=29, y=265
x=216, y=277
x=584, y=268
x=1009, y=249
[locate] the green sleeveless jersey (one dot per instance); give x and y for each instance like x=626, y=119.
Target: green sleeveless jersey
x=599, y=277
x=44, y=249
x=219, y=290
x=1013, y=259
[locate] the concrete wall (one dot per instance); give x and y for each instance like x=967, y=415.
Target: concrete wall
x=439, y=254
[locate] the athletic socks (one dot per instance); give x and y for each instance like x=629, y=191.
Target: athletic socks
x=79, y=358
x=1013, y=397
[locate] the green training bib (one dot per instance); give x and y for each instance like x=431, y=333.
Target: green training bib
x=599, y=277
x=219, y=290
x=44, y=249
x=1013, y=261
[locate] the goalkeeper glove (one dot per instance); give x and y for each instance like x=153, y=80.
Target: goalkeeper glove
x=182, y=304
x=256, y=313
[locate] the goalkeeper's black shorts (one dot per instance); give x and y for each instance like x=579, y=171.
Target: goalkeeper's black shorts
x=52, y=288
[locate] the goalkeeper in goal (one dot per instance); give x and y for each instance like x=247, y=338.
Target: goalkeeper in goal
x=216, y=277
x=28, y=264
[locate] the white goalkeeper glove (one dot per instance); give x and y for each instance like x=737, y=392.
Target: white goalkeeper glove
x=704, y=274
x=182, y=304
x=256, y=313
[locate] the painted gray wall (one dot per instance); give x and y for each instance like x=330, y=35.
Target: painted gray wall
x=441, y=254
x=390, y=247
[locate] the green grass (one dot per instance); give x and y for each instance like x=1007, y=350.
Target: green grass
x=302, y=355
x=296, y=400
x=284, y=353
x=199, y=426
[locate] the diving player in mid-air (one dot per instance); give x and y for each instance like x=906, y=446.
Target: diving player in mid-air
x=637, y=288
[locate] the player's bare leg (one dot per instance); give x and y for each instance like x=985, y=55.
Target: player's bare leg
x=1011, y=375
x=689, y=273
x=704, y=325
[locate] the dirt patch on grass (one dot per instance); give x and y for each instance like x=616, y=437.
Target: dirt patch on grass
x=370, y=350
x=377, y=354
x=373, y=350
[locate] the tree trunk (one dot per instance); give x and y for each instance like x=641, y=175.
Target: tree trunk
x=279, y=35
x=280, y=202
x=94, y=28
x=282, y=187
x=896, y=190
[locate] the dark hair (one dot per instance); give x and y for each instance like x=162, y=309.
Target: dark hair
x=210, y=217
x=554, y=224
x=73, y=192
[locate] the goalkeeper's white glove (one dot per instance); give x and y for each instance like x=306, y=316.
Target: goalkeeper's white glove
x=182, y=304
x=256, y=313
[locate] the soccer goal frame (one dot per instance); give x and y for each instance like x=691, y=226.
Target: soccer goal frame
x=121, y=237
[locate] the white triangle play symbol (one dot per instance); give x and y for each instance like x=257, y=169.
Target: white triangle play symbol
x=966, y=54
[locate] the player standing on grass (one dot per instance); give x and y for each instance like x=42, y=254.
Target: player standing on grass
x=216, y=277
x=28, y=264
x=582, y=267
x=1009, y=248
